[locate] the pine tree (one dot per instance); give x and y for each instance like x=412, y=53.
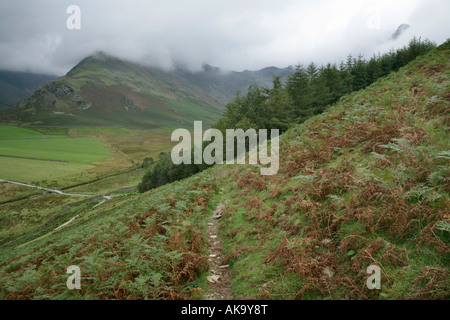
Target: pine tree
x=279, y=106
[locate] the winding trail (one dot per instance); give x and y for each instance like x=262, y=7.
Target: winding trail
x=89, y=197
x=49, y=190
x=220, y=280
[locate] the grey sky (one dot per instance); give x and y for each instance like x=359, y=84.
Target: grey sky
x=231, y=34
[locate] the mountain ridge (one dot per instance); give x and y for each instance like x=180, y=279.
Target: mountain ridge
x=105, y=90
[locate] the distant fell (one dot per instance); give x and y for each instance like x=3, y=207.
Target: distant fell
x=16, y=86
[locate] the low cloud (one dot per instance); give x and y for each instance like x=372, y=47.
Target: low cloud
x=233, y=35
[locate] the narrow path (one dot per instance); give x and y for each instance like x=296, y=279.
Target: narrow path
x=65, y=208
x=49, y=190
x=220, y=280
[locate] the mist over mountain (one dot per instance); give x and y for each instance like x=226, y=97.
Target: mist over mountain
x=105, y=90
x=232, y=35
x=222, y=85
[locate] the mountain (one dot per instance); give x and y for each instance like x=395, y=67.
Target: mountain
x=104, y=90
x=16, y=86
x=401, y=28
x=361, y=187
x=222, y=85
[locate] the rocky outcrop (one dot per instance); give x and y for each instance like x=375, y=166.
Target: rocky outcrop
x=401, y=28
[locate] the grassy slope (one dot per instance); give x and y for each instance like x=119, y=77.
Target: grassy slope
x=136, y=144
x=37, y=170
x=80, y=150
x=9, y=132
x=22, y=216
x=143, y=246
x=29, y=155
x=364, y=183
x=63, y=162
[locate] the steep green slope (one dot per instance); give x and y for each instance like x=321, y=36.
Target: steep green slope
x=364, y=183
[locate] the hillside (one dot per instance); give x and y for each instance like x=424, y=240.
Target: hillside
x=16, y=86
x=105, y=91
x=365, y=183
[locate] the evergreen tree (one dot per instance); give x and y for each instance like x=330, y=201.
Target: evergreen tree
x=279, y=106
x=359, y=74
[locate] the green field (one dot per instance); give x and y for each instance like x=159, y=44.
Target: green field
x=60, y=157
x=9, y=132
x=81, y=150
x=20, y=217
x=135, y=144
x=37, y=170
x=79, y=160
x=47, y=156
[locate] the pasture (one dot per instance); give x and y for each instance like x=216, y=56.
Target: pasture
x=80, y=150
x=31, y=156
x=135, y=144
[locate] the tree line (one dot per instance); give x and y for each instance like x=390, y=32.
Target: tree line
x=310, y=89
x=305, y=93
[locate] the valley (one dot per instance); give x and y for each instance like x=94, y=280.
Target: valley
x=362, y=183
x=38, y=162
x=90, y=131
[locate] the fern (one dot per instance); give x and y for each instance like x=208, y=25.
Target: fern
x=443, y=226
x=423, y=193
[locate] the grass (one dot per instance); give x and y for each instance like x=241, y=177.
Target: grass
x=38, y=170
x=50, y=131
x=134, y=143
x=357, y=185
x=165, y=263
x=80, y=150
x=125, y=180
x=9, y=192
x=364, y=183
x=23, y=216
x=10, y=132
x=49, y=158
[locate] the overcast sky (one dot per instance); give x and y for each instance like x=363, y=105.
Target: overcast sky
x=230, y=34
